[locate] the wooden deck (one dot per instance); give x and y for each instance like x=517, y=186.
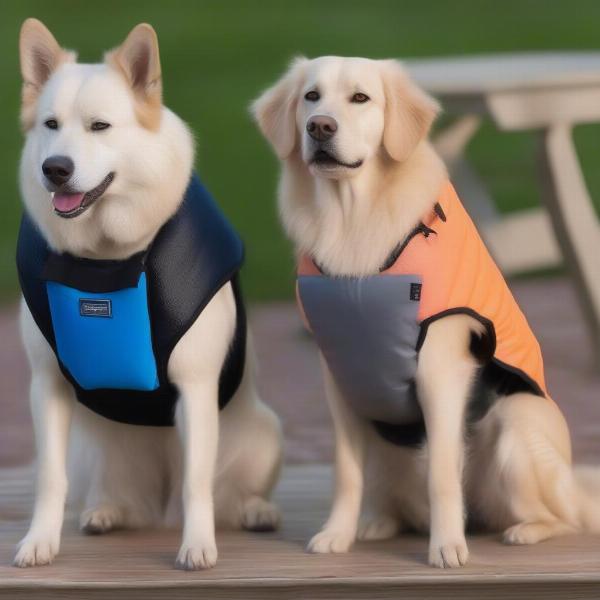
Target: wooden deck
x=136, y=565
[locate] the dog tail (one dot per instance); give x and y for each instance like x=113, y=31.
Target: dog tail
x=588, y=483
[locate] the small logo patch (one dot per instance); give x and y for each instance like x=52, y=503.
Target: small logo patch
x=415, y=291
x=95, y=308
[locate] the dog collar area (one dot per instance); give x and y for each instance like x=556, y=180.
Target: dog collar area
x=94, y=275
x=394, y=255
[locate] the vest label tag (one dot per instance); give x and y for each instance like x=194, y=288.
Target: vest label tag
x=95, y=308
x=415, y=291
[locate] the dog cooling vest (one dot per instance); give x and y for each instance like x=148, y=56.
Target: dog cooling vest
x=370, y=329
x=113, y=324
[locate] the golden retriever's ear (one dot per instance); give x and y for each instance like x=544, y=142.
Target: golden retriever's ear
x=275, y=109
x=40, y=56
x=137, y=58
x=409, y=112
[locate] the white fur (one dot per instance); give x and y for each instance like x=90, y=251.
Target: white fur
x=514, y=471
x=213, y=466
x=151, y=166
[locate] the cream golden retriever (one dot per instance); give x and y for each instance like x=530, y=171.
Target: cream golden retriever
x=358, y=175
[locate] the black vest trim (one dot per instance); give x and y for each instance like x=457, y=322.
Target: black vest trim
x=94, y=275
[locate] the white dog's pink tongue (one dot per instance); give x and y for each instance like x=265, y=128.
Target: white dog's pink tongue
x=67, y=202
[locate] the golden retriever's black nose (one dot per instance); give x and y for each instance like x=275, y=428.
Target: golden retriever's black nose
x=321, y=128
x=58, y=169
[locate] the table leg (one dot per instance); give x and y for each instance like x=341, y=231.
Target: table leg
x=507, y=237
x=451, y=143
x=574, y=221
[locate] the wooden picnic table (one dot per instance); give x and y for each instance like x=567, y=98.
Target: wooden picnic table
x=548, y=93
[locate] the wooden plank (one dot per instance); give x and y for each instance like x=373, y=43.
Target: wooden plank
x=509, y=240
x=140, y=564
x=532, y=109
x=479, y=75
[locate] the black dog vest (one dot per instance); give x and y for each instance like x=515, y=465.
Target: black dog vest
x=114, y=323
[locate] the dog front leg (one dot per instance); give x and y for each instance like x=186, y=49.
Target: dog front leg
x=199, y=427
x=444, y=378
x=52, y=402
x=339, y=532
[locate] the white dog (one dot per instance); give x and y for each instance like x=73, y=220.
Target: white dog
x=362, y=191
x=104, y=170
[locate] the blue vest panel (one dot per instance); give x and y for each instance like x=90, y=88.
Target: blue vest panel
x=104, y=339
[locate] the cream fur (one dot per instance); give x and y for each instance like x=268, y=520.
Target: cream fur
x=214, y=466
x=514, y=473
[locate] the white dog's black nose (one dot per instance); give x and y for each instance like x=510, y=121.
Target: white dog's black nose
x=58, y=169
x=321, y=128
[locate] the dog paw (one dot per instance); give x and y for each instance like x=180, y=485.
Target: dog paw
x=36, y=550
x=260, y=515
x=197, y=557
x=523, y=533
x=381, y=527
x=100, y=519
x=329, y=541
x=448, y=555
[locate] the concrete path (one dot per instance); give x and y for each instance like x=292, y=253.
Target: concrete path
x=290, y=379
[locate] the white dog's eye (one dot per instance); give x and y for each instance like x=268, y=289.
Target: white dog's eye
x=51, y=124
x=359, y=98
x=99, y=126
x=312, y=96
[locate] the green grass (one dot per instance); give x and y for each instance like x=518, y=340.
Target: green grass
x=218, y=55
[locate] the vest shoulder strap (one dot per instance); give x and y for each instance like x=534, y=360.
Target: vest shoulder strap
x=32, y=255
x=194, y=254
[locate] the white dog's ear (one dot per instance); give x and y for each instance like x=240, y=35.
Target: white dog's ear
x=409, y=112
x=275, y=109
x=40, y=56
x=137, y=58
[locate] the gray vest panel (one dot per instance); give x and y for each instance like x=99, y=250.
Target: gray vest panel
x=367, y=330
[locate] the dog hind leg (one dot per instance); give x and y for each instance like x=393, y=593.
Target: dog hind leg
x=530, y=489
x=119, y=472
x=249, y=464
x=378, y=527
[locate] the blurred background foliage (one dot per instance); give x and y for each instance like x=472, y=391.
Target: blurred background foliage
x=217, y=55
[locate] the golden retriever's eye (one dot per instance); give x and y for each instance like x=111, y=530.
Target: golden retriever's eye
x=312, y=96
x=99, y=126
x=359, y=98
x=51, y=124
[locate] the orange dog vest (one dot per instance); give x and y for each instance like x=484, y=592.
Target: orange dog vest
x=442, y=268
